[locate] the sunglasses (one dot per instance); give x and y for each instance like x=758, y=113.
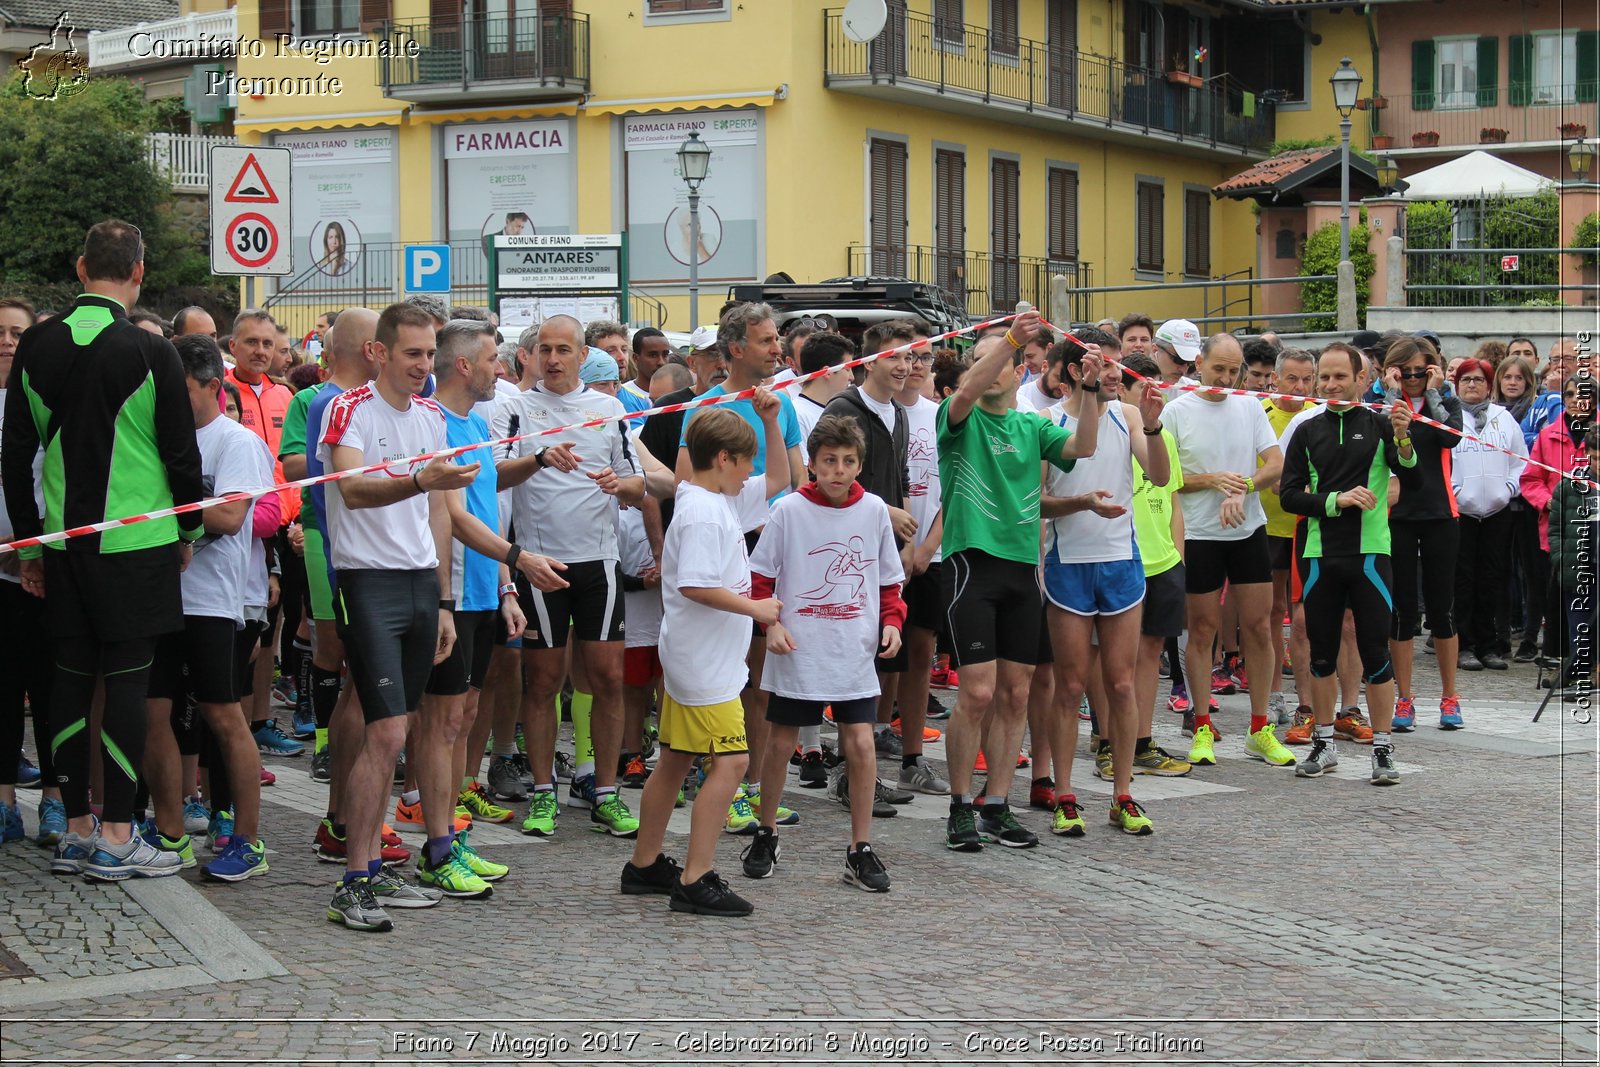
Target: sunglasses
x=814, y=323
x=1413, y=375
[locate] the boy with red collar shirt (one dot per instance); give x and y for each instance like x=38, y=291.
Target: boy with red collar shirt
x=828, y=555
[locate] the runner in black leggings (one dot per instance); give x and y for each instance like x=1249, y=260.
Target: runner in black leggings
x=1425, y=519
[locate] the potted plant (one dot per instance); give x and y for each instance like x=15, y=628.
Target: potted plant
x=1381, y=141
x=1379, y=103
x=1425, y=139
x=1573, y=131
x=1183, y=77
x=1492, y=135
x=1364, y=103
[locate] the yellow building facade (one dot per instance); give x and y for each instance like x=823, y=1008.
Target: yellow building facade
x=985, y=145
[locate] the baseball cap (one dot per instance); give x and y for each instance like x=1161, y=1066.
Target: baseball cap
x=598, y=366
x=1431, y=337
x=702, y=338
x=1183, y=336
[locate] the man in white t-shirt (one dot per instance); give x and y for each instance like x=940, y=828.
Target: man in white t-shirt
x=209, y=655
x=1229, y=456
x=564, y=505
x=389, y=538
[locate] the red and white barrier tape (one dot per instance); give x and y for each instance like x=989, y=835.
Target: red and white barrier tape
x=447, y=453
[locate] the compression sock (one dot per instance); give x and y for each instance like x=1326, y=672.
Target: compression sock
x=582, y=739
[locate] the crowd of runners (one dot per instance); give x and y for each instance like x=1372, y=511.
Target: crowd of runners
x=755, y=588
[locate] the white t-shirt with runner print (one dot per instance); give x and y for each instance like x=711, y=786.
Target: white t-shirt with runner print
x=396, y=537
x=922, y=463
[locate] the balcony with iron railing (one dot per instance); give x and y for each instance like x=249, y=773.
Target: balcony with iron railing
x=184, y=40
x=471, y=58
x=978, y=282
x=933, y=63
x=1515, y=117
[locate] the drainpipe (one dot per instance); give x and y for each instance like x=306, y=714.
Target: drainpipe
x=1372, y=36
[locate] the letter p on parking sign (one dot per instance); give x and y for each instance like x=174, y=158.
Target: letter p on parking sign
x=427, y=268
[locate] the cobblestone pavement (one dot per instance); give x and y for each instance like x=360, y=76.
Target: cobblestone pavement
x=1269, y=919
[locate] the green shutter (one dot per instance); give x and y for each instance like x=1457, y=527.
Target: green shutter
x=1588, y=66
x=1520, y=85
x=1423, y=64
x=1488, y=71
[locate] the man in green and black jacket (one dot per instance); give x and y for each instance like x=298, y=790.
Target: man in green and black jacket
x=108, y=404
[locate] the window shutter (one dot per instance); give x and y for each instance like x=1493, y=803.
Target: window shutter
x=1519, y=90
x=1488, y=71
x=275, y=19
x=1423, y=63
x=1005, y=235
x=949, y=221
x=1064, y=215
x=1588, y=88
x=887, y=225
x=1003, y=27
x=1197, y=233
x=949, y=24
x=1151, y=203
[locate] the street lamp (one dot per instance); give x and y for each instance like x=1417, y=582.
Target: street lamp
x=1581, y=156
x=1388, y=173
x=694, y=160
x=1346, y=82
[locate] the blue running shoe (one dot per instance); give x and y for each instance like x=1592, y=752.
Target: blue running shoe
x=272, y=741
x=72, y=852
x=580, y=794
x=196, y=816
x=52, y=821
x=183, y=846
x=220, y=831
x=304, y=726
x=11, y=828
x=27, y=773
x=1450, y=714
x=240, y=860
x=1405, y=715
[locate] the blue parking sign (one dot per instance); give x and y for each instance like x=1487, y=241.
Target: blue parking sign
x=427, y=268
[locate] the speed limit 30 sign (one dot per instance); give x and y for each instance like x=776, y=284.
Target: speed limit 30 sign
x=250, y=220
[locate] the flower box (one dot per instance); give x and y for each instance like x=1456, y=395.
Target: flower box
x=1492, y=135
x=1383, y=140
x=1425, y=139
x=1183, y=77
x=1573, y=131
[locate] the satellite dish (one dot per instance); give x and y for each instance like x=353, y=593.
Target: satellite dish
x=864, y=19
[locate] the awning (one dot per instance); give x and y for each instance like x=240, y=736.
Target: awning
x=655, y=105
x=348, y=120
x=493, y=114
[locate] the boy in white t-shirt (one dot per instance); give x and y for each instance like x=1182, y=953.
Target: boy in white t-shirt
x=828, y=553
x=705, y=582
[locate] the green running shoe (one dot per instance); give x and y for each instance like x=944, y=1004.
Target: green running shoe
x=453, y=878
x=612, y=816
x=488, y=870
x=541, y=820
x=741, y=816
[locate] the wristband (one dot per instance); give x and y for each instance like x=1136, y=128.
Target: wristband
x=1011, y=340
x=1249, y=485
x=512, y=555
x=447, y=605
x=1095, y=388
x=509, y=589
x=1154, y=431
x=1404, y=442
x=416, y=484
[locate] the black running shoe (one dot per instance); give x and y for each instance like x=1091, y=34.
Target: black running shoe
x=961, y=830
x=813, y=774
x=997, y=823
x=761, y=855
x=864, y=868
x=659, y=878
x=709, y=895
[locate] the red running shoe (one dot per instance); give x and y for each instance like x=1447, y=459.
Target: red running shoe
x=1042, y=796
x=1221, y=681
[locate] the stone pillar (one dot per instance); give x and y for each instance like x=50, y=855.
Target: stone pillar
x=1395, y=277
x=1347, y=321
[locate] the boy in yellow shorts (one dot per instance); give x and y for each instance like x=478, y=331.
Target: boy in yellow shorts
x=705, y=631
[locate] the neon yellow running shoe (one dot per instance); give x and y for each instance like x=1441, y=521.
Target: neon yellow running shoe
x=1068, y=819
x=1265, y=746
x=611, y=815
x=488, y=870
x=476, y=800
x=741, y=817
x=1201, y=750
x=786, y=816
x=541, y=820
x=452, y=878
x=1102, y=763
x=1129, y=817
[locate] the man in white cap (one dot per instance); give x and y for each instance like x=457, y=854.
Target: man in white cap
x=1177, y=346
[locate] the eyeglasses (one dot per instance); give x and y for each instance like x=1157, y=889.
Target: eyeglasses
x=923, y=358
x=814, y=323
x=1467, y=378
x=1413, y=375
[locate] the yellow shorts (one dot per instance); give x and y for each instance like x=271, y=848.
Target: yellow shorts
x=709, y=728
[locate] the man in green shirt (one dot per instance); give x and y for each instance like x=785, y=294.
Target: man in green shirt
x=990, y=482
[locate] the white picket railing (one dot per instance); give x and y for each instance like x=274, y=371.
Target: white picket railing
x=156, y=42
x=184, y=157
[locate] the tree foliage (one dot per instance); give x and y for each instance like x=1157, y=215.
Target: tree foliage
x=66, y=164
x=1499, y=225
x=1322, y=257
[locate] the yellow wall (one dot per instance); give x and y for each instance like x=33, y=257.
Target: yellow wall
x=1344, y=33
x=815, y=189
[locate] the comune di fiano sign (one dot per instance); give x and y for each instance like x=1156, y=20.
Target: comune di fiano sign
x=558, y=261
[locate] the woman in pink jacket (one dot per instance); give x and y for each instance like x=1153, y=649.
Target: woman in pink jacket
x=1559, y=445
